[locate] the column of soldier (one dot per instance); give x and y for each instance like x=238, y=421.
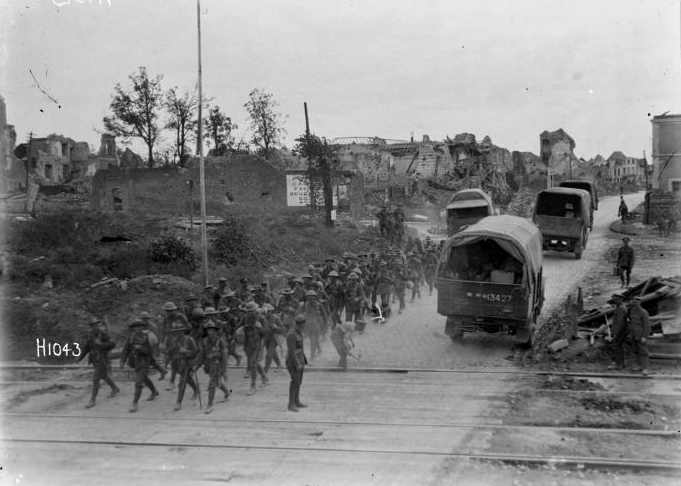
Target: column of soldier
x=207, y=329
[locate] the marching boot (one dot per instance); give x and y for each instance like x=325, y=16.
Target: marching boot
x=291, y=398
x=177, y=407
x=268, y=363
x=138, y=394
x=154, y=394
x=211, y=396
x=93, y=398
x=296, y=401
x=343, y=362
x=225, y=390
x=114, y=389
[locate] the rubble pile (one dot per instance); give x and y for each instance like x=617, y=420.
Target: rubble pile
x=522, y=203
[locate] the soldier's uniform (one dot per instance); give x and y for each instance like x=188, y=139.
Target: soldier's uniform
x=314, y=317
x=271, y=329
x=625, y=261
x=295, y=363
x=172, y=319
x=430, y=267
x=415, y=275
x=342, y=341
x=639, y=322
x=252, y=329
x=219, y=292
x=382, y=216
x=230, y=323
x=400, y=286
x=354, y=296
x=336, y=293
x=96, y=348
x=384, y=282
x=183, y=350
x=138, y=353
x=213, y=357
x=619, y=331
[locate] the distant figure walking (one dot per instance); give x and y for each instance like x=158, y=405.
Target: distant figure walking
x=623, y=210
x=625, y=261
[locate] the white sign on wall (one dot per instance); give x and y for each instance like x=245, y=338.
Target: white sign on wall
x=298, y=192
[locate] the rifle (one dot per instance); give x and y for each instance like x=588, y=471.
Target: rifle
x=198, y=388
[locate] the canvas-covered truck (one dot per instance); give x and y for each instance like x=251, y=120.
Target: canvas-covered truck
x=563, y=216
x=467, y=207
x=589, y=187
x=489, y=278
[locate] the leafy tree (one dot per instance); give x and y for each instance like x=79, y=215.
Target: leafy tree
x=231, y=242
x=218, y=127
x=320, y=155
x=135, y=112
x=265, y=120
x=183, y=121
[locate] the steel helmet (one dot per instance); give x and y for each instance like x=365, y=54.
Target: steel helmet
x=168, y=306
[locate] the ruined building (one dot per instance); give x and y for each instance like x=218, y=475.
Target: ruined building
x=667, y=153
x=556, y=151
x=13, y=175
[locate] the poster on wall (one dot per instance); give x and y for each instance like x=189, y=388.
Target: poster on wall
x=298, y=192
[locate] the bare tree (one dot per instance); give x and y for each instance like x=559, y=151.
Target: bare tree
x=135, y=112
x=265, y=120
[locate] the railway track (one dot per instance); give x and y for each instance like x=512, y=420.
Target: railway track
x=42, y=430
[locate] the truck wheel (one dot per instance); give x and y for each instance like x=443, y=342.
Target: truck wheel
x=453, y=330
x=578, y=255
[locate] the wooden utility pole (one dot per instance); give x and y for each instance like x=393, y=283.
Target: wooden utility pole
x=310, y=182
x=202, y=175
x=27, y=166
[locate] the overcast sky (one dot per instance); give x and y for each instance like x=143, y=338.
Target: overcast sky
x=598, y=69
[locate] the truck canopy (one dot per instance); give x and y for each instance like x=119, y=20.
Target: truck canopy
x=564, y=202
x=471, y=196
x=516, y=236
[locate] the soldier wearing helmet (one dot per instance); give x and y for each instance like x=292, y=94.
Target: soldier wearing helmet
x=151, y=328
x=272, y=328
x=336, y=293
x=173, y=318
x=315, y=318
x=138, y=353
x=213, y=357
x=217, y=295
x=287, y=307
x=251, y=326
x=182, y=351
x=230, y=319
x=97, y=349
x=354, y=297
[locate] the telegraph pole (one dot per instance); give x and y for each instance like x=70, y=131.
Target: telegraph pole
x=313, y=198
x=202, y=175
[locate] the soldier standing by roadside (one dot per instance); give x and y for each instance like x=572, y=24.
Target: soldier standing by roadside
x=252, y=329
x=138, y=353
x=625, y=261
x=213, y=357
x=182, y=351
x=619, y=331
x=622, y=210
x=295, y=363
x=97, y=347
x=639, y=321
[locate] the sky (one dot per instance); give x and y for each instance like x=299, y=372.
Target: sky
x=390, y=68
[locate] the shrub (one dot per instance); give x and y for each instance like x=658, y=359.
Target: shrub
x=171, y=249
x=231, y=243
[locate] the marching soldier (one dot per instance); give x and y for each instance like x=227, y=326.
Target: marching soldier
x=354, y=296
x=384, y=281
x=415, y=275
x=382, y=216
x=400, y=285
x=138, y=354
x=150, y=327
x=271, y=329
x=182, y=351
x=252, y=330
x=336, y=294
x=314, y=316
x=288, y=308
x=97, y=348
x=213, y=357
x=230, y=321
x=295, y=363
x=173, y=318
x=217, y=295
x=430, y=267
x=341, y=337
